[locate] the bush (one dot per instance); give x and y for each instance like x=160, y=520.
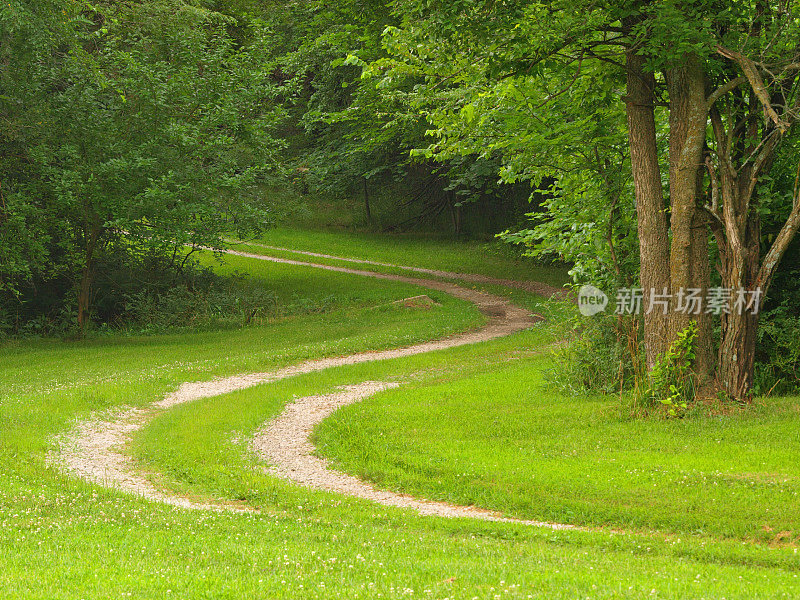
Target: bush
x=145, y=291
x=221, y=304
x=778, y=353
x=600, y=354
x=670, y=385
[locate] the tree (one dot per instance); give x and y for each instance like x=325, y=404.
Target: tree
x=146, y=127
x=721, y=79
x=28, y=40
x=750, y=98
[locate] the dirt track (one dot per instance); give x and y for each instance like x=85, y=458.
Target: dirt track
x=94, y=449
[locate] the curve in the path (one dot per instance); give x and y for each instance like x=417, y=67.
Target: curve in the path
x=285, y=444
x=535, y=287
x=94, y=449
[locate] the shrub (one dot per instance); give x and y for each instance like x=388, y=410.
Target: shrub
x=670, y=384
x=222, y=303
x=599, y=354
x=778, y=352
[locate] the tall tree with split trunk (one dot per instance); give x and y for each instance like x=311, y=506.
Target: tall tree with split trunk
x=749, y=124
x=729, y=111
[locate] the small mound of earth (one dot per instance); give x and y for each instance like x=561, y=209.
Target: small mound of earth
x=423, y=301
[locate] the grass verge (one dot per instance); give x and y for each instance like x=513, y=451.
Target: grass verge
x=501, y=440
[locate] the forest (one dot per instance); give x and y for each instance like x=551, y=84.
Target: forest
x=563, y=230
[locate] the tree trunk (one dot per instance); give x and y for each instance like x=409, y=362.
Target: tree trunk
x=84, y=296
x=701, y=276
x=650, y=215
x=739, y=240
x=737, y=354
x=738, y=328
x=688, y=116
x=366, y=203
x=455, y=214
x=87, y=275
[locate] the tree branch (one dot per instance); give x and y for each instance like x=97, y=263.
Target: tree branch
x=729, y=216
x=756, y=82
x=713, y=208
x=765, y=151
x=779, y=246
x=724, y=89
x=723, y=143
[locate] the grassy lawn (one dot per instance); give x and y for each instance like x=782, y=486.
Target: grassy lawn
x=63, y=538
x=501, y=440
x=207, y=455
x=357, y=306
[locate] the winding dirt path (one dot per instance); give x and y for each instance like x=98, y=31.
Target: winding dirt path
x=94, y=449
x=535, y=287
x=285, y=444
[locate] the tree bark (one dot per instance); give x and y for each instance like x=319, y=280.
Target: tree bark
x=689, y=269
x=738, y=328
x=704, y=362
x=739, y=241
x=650, y=215
x=366, y=203
x=92, y=239
x=455, y=214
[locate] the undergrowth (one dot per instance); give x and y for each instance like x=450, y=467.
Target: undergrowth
x=598, y=354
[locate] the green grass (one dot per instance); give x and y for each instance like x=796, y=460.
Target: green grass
x=466, y=256
x=293, y=284
x=501, y=440
x=207, y=456
x=63, y=538
x=359, y=316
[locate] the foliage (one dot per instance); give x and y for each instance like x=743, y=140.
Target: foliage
x=216, y=304
x=670, y=385
x=778, y=348
x=142, y=294
x=544, y=87
x=351, y=135
x=778, y=369
x=143, y=122
x=591, y=358
x=556, y=125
